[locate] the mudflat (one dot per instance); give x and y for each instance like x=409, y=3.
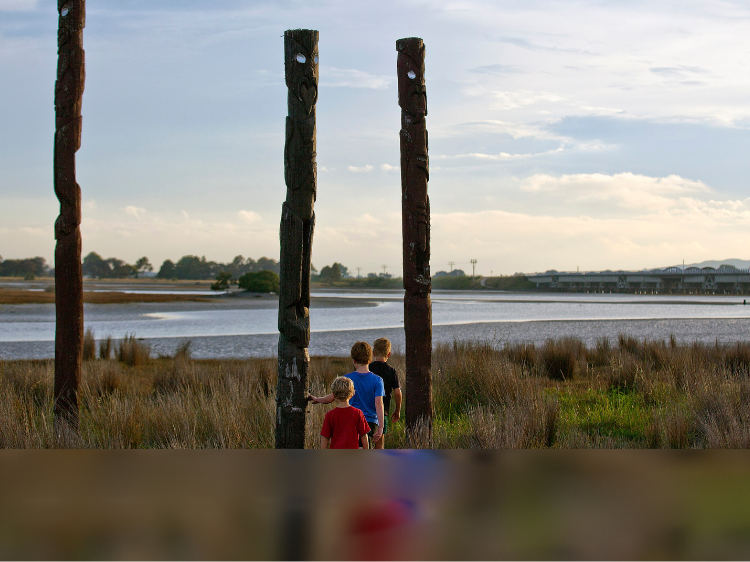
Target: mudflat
x=223, y=300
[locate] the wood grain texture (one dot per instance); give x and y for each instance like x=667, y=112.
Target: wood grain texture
x=68, y=275
x=296, y=235
x=415, y=204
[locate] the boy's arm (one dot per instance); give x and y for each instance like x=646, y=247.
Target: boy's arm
x=379, y=411
x=324, y=442
x=396, y=415
x=324, y=400
x=365, y=441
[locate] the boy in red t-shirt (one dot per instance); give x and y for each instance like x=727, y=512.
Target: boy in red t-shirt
x=345, y=426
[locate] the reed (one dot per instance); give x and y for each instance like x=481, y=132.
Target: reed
x=133, y=352
x=562, y=394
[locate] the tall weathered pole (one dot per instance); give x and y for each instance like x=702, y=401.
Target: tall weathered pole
x=415, y=205
x=68, y=280
x=296, y=234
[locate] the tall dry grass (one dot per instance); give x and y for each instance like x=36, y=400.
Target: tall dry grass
x=561, y=394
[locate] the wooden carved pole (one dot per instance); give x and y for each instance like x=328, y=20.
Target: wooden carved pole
x=415, y=205
x=296, y=234
x=68, y=280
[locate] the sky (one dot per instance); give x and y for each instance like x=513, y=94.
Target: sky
x=562, y=134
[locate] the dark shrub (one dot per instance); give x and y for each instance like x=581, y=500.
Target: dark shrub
x=559, y=358
x=261, y=282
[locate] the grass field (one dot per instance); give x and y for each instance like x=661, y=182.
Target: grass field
x=624, y=394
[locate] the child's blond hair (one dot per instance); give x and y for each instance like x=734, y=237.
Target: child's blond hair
x=342, y=388
x=381, y=347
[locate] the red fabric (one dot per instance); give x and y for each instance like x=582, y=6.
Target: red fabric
x=344, y=426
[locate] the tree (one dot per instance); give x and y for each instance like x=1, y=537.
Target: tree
x=260, y=282
x=20, y=268
x=167, y=270
x=331, y=273
x=268, y=264
x=95, y=267
x=119, y=269
x=222, y=281
x=143, y=265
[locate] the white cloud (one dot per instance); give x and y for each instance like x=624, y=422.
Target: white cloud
x=249, y=217
x=510, y=242
x=135, y=212
x=388, y=167
x=627, y=190
x=499, y=156
x=351, y=78
x=366, y=168
x=513, y=100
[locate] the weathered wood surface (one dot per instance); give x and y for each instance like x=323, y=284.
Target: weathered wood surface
x=68, y=276
x=415, y=204
x=296, y=234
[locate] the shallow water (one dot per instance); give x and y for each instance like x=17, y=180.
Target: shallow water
x=230, y=329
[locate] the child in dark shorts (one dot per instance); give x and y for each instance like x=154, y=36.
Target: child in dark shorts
x=381, y=351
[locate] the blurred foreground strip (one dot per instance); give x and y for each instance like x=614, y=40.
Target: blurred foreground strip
x=459, y=505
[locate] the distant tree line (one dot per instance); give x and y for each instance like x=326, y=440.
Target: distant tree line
x=330, y=273
x=453, y=273
x=28, y=268
x=193, y=267
x=96, y=267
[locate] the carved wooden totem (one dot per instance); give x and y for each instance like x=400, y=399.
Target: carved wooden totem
x=296, y=234
x=415, y=205
x=68, y=280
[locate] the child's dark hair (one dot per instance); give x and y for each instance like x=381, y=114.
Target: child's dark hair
x=362, y=353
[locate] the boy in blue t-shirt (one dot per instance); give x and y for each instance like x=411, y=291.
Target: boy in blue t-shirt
x=368, y=390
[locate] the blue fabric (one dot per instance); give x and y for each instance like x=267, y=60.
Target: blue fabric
x=366, y=387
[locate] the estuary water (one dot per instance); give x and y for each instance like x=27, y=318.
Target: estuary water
x=246, y=327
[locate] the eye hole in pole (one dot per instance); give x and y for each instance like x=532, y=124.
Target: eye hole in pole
x=301, y=58
x=64, y=12
x=411, y=74
x=315, y=59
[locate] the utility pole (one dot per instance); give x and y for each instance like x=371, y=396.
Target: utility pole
x=415, y=213
x=385, y=267
x=296, y=236
x=68, y=275
x=473, y=268
x=358, y=268
x=451, y=264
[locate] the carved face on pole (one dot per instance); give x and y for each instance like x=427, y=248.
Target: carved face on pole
x=412, y=95
x=301, y=69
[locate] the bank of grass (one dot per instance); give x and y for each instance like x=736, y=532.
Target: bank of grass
x=562, y=394
x=19, y=296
